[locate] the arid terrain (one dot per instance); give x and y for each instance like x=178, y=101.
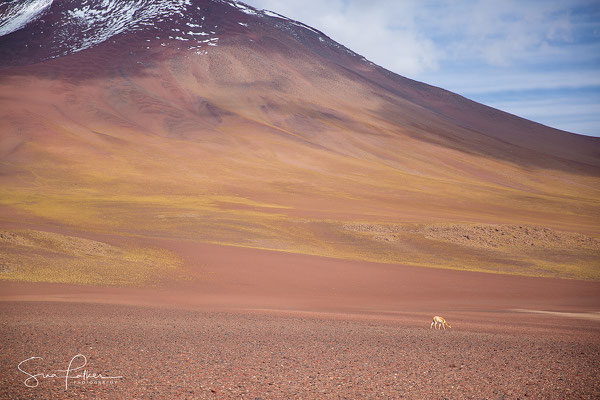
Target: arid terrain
x=176, y=345
x=252, y=323
x=277, y=137
x=215, y=201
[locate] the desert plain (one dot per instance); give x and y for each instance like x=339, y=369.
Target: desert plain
x=273, y=216
x=254, y=323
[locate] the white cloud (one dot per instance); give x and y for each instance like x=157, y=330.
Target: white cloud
x=412, y=37
x=385, y=36
x=472, y=47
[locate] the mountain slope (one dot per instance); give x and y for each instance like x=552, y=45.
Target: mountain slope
x=211, y=121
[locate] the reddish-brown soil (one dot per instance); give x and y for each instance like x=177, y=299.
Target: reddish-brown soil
x=176, y=354
x=275, y=139
x=263, y=324
x=234, y=277
x=252, y=221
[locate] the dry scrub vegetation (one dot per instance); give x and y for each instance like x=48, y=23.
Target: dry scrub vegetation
x=36, y=256
x=519, y=249
x=484, y=236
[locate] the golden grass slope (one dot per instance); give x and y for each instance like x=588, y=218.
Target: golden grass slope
x=232, y=158
x=37, y=256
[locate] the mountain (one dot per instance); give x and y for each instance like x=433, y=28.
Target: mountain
x=213, y=122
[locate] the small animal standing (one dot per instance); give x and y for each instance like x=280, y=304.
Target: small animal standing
x=439, y=323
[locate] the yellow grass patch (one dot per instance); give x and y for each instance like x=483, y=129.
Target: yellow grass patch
x=36, y=256
x=495, y=248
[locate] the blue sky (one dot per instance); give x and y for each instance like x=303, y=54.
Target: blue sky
x=533, y=58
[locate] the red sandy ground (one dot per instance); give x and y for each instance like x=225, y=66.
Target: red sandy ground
x=262, y=324
x=243, y=143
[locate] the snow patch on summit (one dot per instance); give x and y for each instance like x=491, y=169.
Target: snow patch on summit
x=99, y=21
x=244, y=8
x=21, y=14
x=76, y=25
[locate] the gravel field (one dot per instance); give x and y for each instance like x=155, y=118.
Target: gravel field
x=173, y=354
